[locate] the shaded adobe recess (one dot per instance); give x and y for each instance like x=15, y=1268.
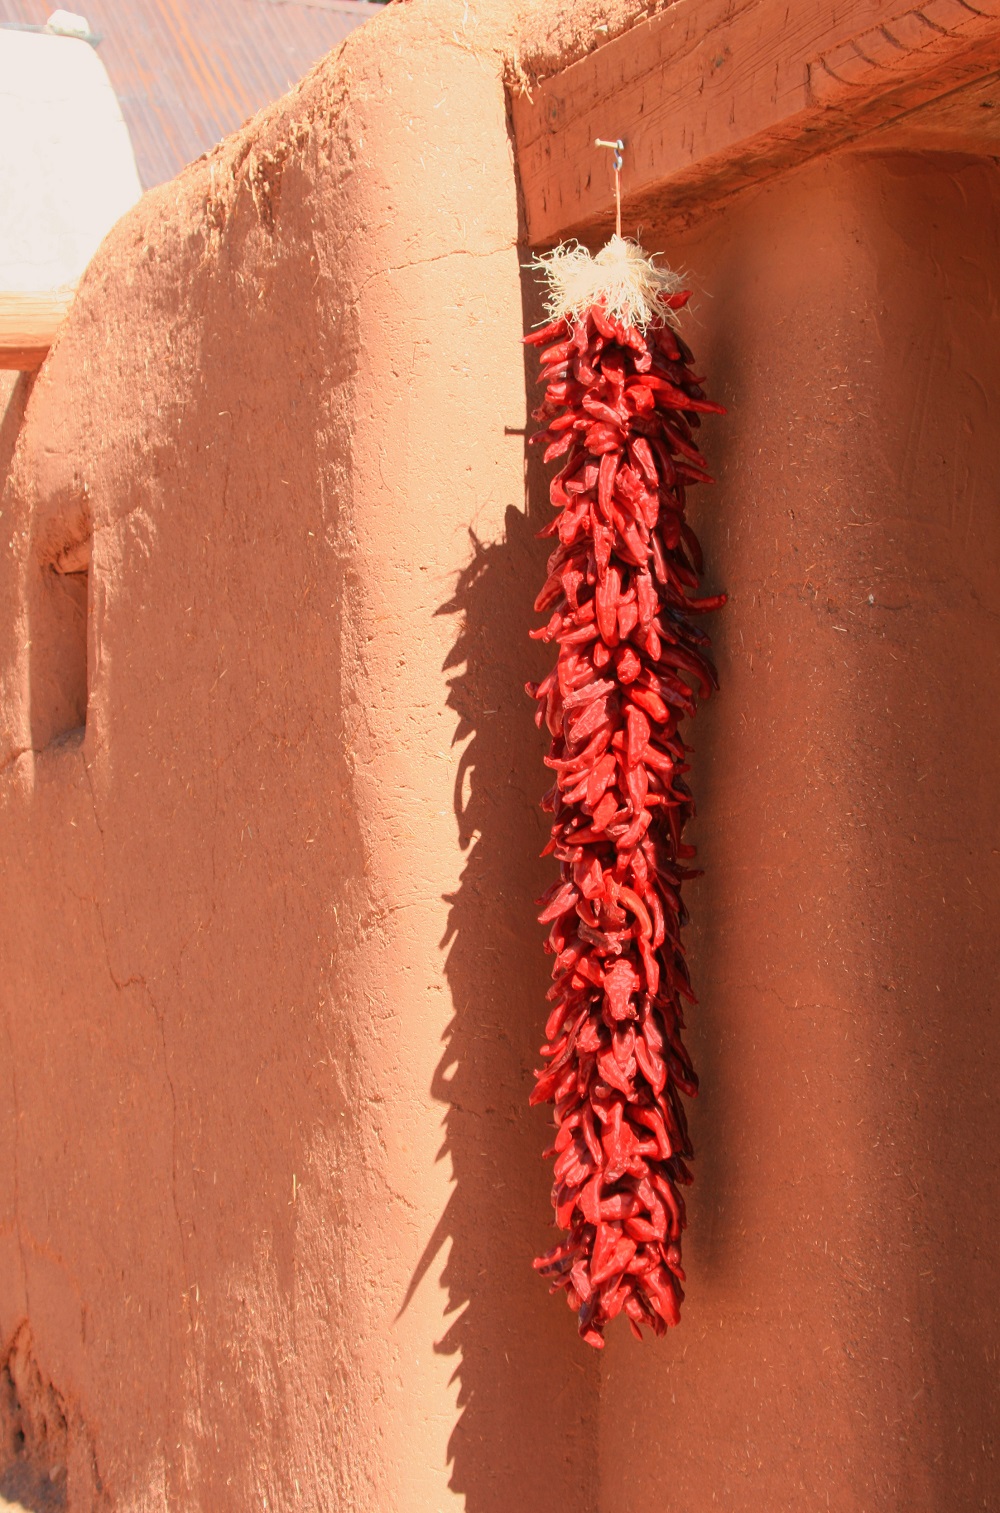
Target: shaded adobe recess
x=34, y=1435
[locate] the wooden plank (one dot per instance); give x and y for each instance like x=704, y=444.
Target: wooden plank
x=28, y=326
x=711, y=95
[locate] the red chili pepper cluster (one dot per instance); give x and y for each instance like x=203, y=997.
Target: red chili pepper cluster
x=620, y=406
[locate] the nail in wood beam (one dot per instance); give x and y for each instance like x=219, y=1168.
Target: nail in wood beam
x=712, y=95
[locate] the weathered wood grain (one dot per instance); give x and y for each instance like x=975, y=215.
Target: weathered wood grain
x=714, y=94
x=28, y=325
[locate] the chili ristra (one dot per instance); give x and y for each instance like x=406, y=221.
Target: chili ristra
x=621, y=409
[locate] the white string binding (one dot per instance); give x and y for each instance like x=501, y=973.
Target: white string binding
x=628, y=282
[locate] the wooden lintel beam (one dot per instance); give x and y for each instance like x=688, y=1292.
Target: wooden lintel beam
x=28, y=326
x=711, y=95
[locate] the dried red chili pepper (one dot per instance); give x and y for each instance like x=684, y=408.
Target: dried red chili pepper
x=620, y=409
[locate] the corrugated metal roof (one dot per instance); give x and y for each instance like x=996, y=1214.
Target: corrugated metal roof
x=188, y=72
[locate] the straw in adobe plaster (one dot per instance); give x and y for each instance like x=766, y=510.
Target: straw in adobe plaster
x=621, y=407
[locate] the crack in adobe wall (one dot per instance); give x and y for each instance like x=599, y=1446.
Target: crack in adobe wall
x=422, y=262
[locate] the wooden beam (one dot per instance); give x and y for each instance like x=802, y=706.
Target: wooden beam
x=28, y=325
x=712, y=95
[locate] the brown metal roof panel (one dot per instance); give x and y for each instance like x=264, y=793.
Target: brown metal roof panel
x=188, y=72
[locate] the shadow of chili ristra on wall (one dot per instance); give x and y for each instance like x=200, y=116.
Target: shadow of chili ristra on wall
x=525, y=1435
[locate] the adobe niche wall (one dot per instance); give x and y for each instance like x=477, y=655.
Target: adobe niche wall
x=268, y=948
x=841, y=1321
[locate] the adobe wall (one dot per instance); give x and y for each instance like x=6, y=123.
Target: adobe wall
x=272, y=986
x=271, y=1005
x=840, y=1332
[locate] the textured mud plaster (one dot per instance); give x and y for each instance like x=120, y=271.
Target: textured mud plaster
x=268, y=1188
x=841, y=1325
x=271, y=982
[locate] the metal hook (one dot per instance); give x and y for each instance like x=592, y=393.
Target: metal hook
x=618, y=148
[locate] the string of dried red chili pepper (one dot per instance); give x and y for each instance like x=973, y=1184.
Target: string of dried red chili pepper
x=621, y=407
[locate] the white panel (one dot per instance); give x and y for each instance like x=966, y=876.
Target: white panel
x=67, y=169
